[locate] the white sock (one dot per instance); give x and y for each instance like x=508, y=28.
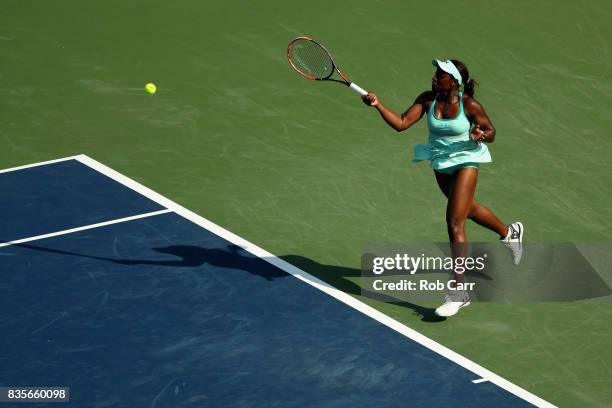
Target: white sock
x=508, y=234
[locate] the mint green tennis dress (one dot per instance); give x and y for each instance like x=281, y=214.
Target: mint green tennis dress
x=450, y=147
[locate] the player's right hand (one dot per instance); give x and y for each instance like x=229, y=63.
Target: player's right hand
x=370, y=99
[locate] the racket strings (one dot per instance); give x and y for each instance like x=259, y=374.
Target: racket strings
x=311, y=59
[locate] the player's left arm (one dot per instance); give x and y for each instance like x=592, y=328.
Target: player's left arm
x=484, y=130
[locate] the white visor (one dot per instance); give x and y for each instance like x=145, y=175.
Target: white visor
x=448, y=67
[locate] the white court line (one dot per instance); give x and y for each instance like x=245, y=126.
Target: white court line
x=85, y=227
x=319, y=284
x=480, y=380
x=27, y=166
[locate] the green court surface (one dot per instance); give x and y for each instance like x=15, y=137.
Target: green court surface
x=309, y=173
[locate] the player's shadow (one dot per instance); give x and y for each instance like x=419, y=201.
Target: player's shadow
x=230, y=257
x=341, y=277
x=236, y=258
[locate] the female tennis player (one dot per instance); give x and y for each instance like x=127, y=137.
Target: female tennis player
x=459, y=127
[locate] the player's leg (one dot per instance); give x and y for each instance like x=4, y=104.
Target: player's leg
x=484, y=217
x=460, y=199
x=480, y=214
x=459, y=188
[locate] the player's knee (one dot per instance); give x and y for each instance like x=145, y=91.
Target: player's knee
x=455, y=225
x=474, y=209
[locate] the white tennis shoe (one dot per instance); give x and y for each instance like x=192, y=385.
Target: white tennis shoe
x=454, y=301
x=514, y=241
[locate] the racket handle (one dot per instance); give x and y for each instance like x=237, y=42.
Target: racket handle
x=357, y=89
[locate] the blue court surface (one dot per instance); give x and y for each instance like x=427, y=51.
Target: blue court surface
x=111, y=290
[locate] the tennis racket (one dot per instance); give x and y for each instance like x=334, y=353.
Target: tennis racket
x=313, y=61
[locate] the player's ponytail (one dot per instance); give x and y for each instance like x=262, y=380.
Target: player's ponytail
x=468, y=83
x=469, y=87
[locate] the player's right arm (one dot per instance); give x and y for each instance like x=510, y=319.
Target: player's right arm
x=406, y=119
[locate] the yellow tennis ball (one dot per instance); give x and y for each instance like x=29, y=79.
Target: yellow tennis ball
x=150, y=88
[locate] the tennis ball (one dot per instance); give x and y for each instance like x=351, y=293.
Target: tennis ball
x=150, y=88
